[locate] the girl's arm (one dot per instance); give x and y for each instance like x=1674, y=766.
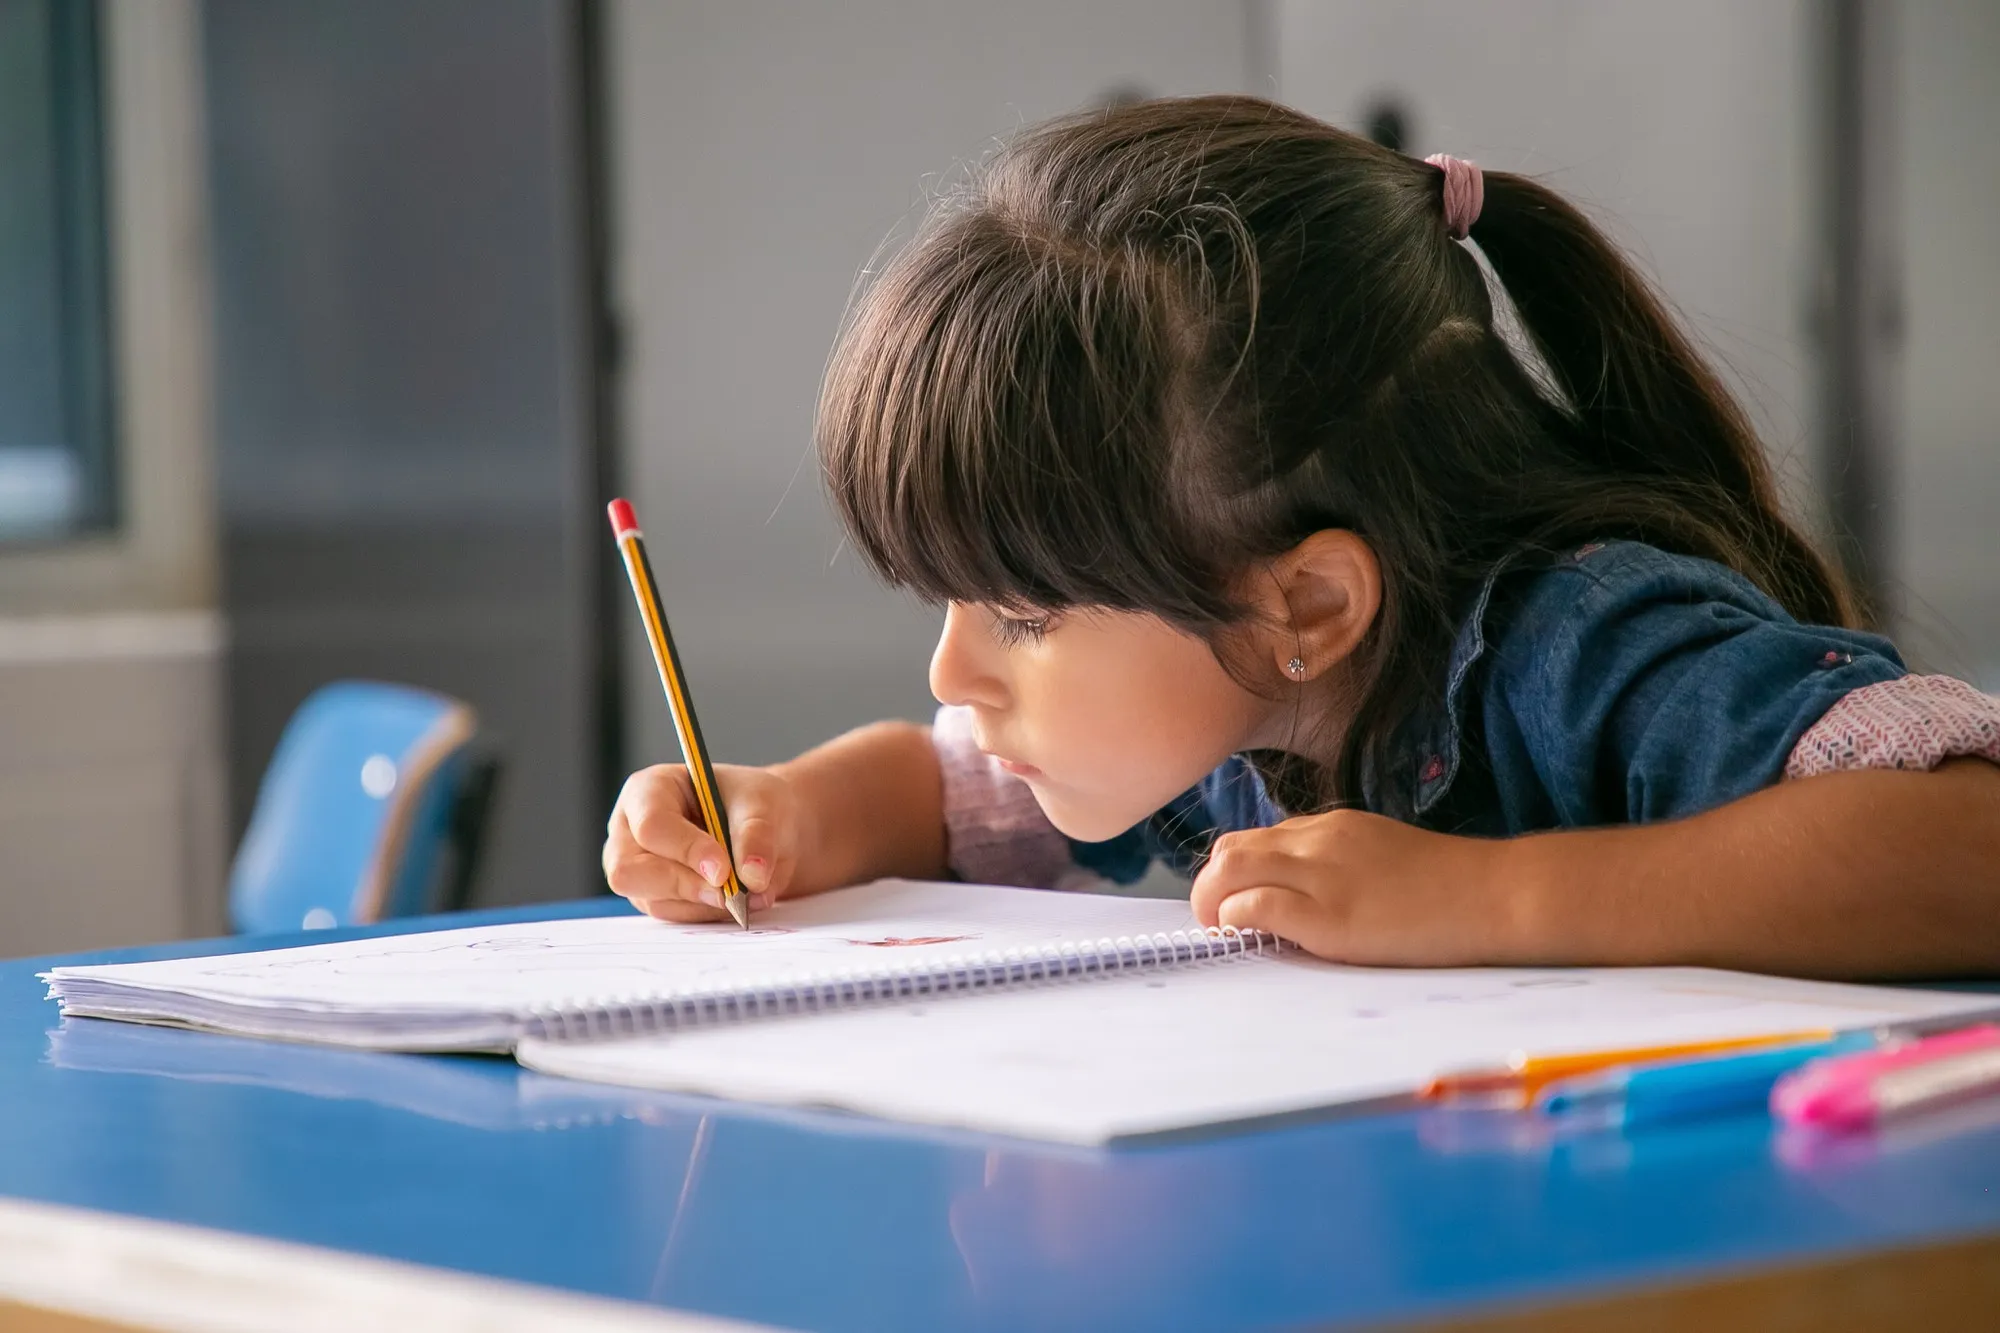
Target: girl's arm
x=1858, y=874
x=872, y=806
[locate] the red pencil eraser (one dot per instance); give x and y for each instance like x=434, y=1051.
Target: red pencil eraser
x=623, y=520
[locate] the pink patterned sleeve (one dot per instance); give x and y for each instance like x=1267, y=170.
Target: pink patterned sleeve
x=995, y=832
x=1915, y=722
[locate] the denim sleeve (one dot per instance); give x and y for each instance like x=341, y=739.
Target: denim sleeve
x=1230, y=799
x=1630, y=685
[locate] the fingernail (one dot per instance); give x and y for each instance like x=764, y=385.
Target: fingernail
x=713, y=897
x=756, y=872
x=711, y=870
x=759, y=901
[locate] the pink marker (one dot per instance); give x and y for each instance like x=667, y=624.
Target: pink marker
x=1855, y=1091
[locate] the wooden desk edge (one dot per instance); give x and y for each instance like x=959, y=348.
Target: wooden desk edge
x=71, y=1270
x=1939, y=1288
x=67, y=1270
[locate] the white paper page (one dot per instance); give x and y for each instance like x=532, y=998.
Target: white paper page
x=1096, y=1060
x=895, y=927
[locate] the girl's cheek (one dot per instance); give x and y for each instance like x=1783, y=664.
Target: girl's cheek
x=1121, y=718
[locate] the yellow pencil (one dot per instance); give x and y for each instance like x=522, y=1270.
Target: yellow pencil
x=625, y=524
x=1516, y=1082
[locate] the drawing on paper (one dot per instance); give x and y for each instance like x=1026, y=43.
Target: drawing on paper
x=513, y=961
x=914, y=941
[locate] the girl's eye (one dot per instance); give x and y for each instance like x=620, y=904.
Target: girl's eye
x=1012, y=632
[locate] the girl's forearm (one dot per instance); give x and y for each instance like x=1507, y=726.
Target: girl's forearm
x=1864, y=874
x=874, y=807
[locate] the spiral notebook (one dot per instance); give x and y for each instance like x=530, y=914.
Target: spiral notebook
x=485, y=988
x=1067, y=1017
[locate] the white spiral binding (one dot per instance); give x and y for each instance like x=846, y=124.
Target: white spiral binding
x=639, y=1015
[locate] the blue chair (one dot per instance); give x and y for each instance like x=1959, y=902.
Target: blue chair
x=371, y=807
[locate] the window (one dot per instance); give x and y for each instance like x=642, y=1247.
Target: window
x=56, y=429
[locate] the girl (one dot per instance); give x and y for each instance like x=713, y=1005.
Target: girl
x=1426, y=613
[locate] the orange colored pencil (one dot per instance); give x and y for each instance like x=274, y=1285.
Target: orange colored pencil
x=1516, y=1082
x=707, y=793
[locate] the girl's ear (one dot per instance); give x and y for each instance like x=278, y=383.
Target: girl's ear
x=1316, y=601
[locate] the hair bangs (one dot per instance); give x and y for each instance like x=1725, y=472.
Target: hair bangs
x=991, y=427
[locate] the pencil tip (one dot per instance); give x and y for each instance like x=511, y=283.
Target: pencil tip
x=739, y=908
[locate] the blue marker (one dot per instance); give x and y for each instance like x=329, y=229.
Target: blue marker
x=1670, y=1090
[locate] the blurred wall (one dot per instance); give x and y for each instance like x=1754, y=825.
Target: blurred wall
x=162, y=555
x=1946, y=484
x=111, y=773
x=405, y=447
x=763, y=151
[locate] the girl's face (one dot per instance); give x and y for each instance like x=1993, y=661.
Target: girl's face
x=1107, y=715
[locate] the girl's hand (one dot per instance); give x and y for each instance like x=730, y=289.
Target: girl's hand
x=1359, y=888
x=657, y=854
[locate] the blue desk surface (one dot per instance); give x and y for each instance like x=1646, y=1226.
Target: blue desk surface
x=823, y=1221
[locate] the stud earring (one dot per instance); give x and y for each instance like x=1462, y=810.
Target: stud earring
x=1296, y=668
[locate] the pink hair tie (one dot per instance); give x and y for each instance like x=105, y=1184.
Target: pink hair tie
x=1464, y=192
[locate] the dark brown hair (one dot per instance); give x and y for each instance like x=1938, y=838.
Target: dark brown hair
x=1148, y=347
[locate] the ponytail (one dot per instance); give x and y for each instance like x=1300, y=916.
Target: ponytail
x=1648, y=407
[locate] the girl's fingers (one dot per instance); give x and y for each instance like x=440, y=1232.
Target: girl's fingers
x=657, y=853
x=1286, y=913
x=658, y=808
x=783, y=867
x=1238, y=862
x=764, y=846
x=657, y=885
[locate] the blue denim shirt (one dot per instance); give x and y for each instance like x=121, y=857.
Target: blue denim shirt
x=1616, y=685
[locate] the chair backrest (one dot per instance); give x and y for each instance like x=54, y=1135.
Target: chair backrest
x=355, y=811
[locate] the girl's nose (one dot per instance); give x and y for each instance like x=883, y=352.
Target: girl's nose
x=963, y=666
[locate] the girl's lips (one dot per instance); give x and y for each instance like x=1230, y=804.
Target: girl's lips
x=1019, y=770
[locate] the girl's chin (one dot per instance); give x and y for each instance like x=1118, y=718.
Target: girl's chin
x=1083, y=820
